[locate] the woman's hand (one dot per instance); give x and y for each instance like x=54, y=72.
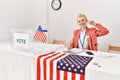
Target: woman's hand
x=91, y=22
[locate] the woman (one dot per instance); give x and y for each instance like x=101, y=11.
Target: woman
x=86, y=38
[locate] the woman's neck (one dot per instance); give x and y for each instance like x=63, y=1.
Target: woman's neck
x=83, y=28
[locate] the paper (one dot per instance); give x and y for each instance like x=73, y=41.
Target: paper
x=76, y=50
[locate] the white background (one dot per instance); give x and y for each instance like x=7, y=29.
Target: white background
x=31, y=13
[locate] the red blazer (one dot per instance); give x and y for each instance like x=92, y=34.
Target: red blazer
x=91, y=34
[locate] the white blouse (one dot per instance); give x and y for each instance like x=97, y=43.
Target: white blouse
x=83, y=43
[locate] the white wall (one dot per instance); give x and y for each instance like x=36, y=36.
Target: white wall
x=31, y=13
x=21, y=14
x=63, y=22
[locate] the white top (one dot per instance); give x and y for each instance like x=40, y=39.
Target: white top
x=83, y=40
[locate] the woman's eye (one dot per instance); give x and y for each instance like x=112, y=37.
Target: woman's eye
x=83, y=20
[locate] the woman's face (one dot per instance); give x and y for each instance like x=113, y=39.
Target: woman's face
x=82, y=21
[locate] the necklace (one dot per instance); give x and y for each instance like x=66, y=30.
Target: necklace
x=83, y=40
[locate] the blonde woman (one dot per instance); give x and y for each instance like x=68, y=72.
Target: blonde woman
x=86, y=38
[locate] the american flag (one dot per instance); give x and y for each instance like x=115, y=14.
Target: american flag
x=40, y=35
x=74, y=63
x=56, y=66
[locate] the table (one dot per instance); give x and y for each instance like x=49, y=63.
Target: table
x=21, y=65
x=16, y=65
x=104, y=66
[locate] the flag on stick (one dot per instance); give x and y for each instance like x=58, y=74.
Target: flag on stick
x=40, y=34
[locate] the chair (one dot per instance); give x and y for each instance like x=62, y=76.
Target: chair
x=66, y=43
x=113, y=48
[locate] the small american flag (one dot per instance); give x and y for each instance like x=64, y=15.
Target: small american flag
x=61, y=66
x=40, y=35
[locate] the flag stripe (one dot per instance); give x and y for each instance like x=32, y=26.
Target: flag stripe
x=44, y=68
x=51, y=66
x=82, y=77
x=73, y=76
x=47, y=68
x=65, y=75
x=39, y=66
x=40, y=35
x=58, y=75
x=42, y=65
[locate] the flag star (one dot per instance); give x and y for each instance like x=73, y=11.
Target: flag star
x=78, y=67
x=61, y=64
x=84, y=63
x=72, y=65
x=64, y=67
x=81, y=70
x=75, y=70
x=69, y=68
x=66, y=64
x=58, y=66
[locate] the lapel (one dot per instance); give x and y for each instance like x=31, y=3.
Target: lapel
x=87, y=32
x=88, y=38
x=78, y=34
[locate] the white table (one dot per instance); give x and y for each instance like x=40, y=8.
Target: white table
x=104, y=66
x=19, y=65
x=16, y=65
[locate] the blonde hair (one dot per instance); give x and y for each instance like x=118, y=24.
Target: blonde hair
x=82, y=15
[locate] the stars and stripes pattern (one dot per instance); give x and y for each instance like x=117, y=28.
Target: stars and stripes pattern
x=47, y=68
x=74, y=63
x=40, y=35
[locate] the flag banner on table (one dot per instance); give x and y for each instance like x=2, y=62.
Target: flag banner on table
x=74, y=63
x=40, y=34
x=48, y=67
